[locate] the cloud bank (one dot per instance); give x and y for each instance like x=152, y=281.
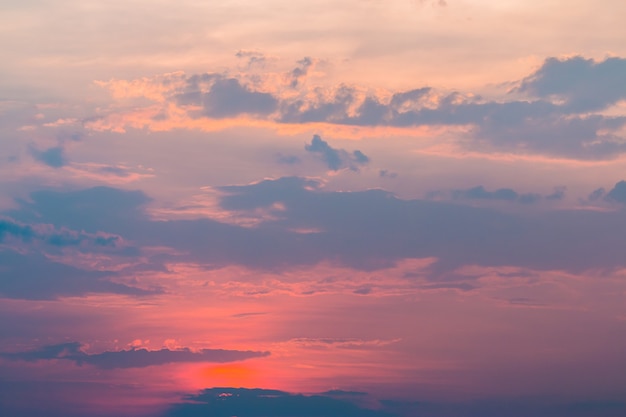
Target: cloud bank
x=365, y=230
x=561, y=111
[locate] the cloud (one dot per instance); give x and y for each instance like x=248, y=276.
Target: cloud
x=558, y=114
x=228, y=98
x=374, y=229
x=243, y=402
x=328, y=154
x=333, y=109
x=218, y=96
x=596, y=194
x=385, y=173
x=91, y=210
x=255, y=58
x=583, y=84
x=617, y=193
x=115, y=170
x=133, y=358
x=336, y=159
x=301, y=71
x=35, y=277
x=341, y=343
x=53, y=157
x=503, y=194
x=366, y=230
x=557, y=194
x=592, y=137
x=51, y=236
x=44, y=261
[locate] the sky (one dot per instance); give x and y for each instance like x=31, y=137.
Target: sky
x=348, y=208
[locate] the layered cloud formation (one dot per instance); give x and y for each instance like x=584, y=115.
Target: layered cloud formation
x=559, y=110
x=366, y=230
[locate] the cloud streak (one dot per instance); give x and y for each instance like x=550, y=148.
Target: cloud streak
x=63, y=237
x=133, y=358
x=479, y=193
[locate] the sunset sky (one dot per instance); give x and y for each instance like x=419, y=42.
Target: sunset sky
x=348, y=208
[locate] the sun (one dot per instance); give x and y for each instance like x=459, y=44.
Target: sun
x=231, y=375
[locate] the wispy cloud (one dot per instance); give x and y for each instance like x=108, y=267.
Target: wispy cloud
x=133, y=358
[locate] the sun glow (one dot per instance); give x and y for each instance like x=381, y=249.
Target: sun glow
x=231, y=375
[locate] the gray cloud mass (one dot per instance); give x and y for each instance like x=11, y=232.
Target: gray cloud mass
x=365, y=230
x=53, y=157
x=336, y=159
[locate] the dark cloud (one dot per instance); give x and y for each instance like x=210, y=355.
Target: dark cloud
x=133, y=358
x=242, y=402
x=503, y=194
x=560, y=116
x=584, y=84
x=360, y=157
x=91, y=210
x=479, y=192
x=228, y=98
x=385, y=173
x=538, y=126
x=35, y=277
x=398, y=100
x=363, y=291
x=28, y=269
x=255, y=58
x=596, y=194
x=222, y=97
x=373, y=229
x=366, y=230
x=558, y=194
x=329, y=155
x=54, y=237
x=300, y=72
x=12, y=228
x=617, y=193
x=265, y=193
x=336, y=159
x=333, y=110
x=115, y=170
x=578, y=137
x=53, y=157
